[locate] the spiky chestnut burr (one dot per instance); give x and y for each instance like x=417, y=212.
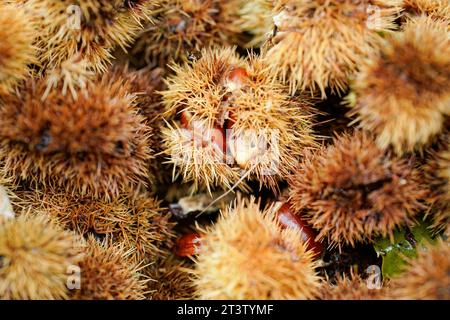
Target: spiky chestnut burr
x=108, y=273
x=36, y=258
x=17, y=51
x=437, y=172
x=255, y=18
x=190, y=244
x=246, y=255
x=426, y=277
x=352, y=191
x=137, y=220
x=234, y=118
x=401, y=91
x=183, y=27
x=171, y=280
x=70, y=77
x=87, y=27
x=196, y=149
x=94, y=145
x=352, y=287
x=146, y=84
x=319, y=44
x=437, y=9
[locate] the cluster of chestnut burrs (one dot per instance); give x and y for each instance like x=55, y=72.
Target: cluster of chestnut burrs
x=224, y=149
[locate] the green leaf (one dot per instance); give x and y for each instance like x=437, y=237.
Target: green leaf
x=404, y=246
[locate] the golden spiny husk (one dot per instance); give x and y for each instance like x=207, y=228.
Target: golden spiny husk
x=352, y=191
x=262, y=105
x=246, y=255
x=320, y=43
x=171, y=279
x=402, y=89
x=256, y=18
x=437, y=172
x=437, y=9
x=17, y=51
x=94, y=144
x=137, y=220
x=182, y=27
x=36, y=258
x=86, y=27
x=108, y=273
x=352, y=287
x=146, y=84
